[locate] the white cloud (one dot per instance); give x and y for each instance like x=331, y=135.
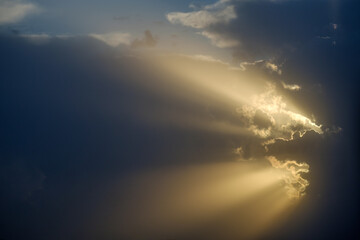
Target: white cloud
x=219, y=12
x=14, y=11
x=292, y=87
x=220, y=41
x=218, y=5
x=273, y=67
x=243, y=65
x=113, y=39
x=262, y=64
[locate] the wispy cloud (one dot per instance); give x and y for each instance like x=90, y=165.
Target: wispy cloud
x=292, y=87
x=219, y=40
x=273, y=67
x=113, y=39
x=265, y=64
x=15, y=11
x=219, y=12
x=290, y=172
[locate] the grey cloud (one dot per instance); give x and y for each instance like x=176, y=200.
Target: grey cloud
x=148, y=41
x=14, y=11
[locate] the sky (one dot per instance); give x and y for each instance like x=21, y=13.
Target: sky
x=221, y=119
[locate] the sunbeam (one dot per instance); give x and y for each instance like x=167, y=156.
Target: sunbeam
x=168, y=202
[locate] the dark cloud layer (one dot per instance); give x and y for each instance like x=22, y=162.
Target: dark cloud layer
x=69, y=112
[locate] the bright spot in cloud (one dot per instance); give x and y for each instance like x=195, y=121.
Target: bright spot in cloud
x=273, y=67
x=290, y=173
x=292, y=87
x=281, y=122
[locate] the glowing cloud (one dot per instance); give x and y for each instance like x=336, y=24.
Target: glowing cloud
x=273, y=67
x=290, y=173
x=282, y=122
x=292, y=87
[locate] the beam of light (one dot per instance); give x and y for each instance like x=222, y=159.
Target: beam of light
x=213, y=83
x=169, y=202
x=218, y=80
x=194, y=122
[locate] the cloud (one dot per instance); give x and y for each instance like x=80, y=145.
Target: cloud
x=220, y=41
x=273, y=67
x=220, y=12
x=37, y=38
x=281, y=122
x=292, y=87
x=258, y=29
x=113, y=39
x=15, y=11
x=290, y=172
x=261, y=64
x=147, y=41
x=244, y=65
